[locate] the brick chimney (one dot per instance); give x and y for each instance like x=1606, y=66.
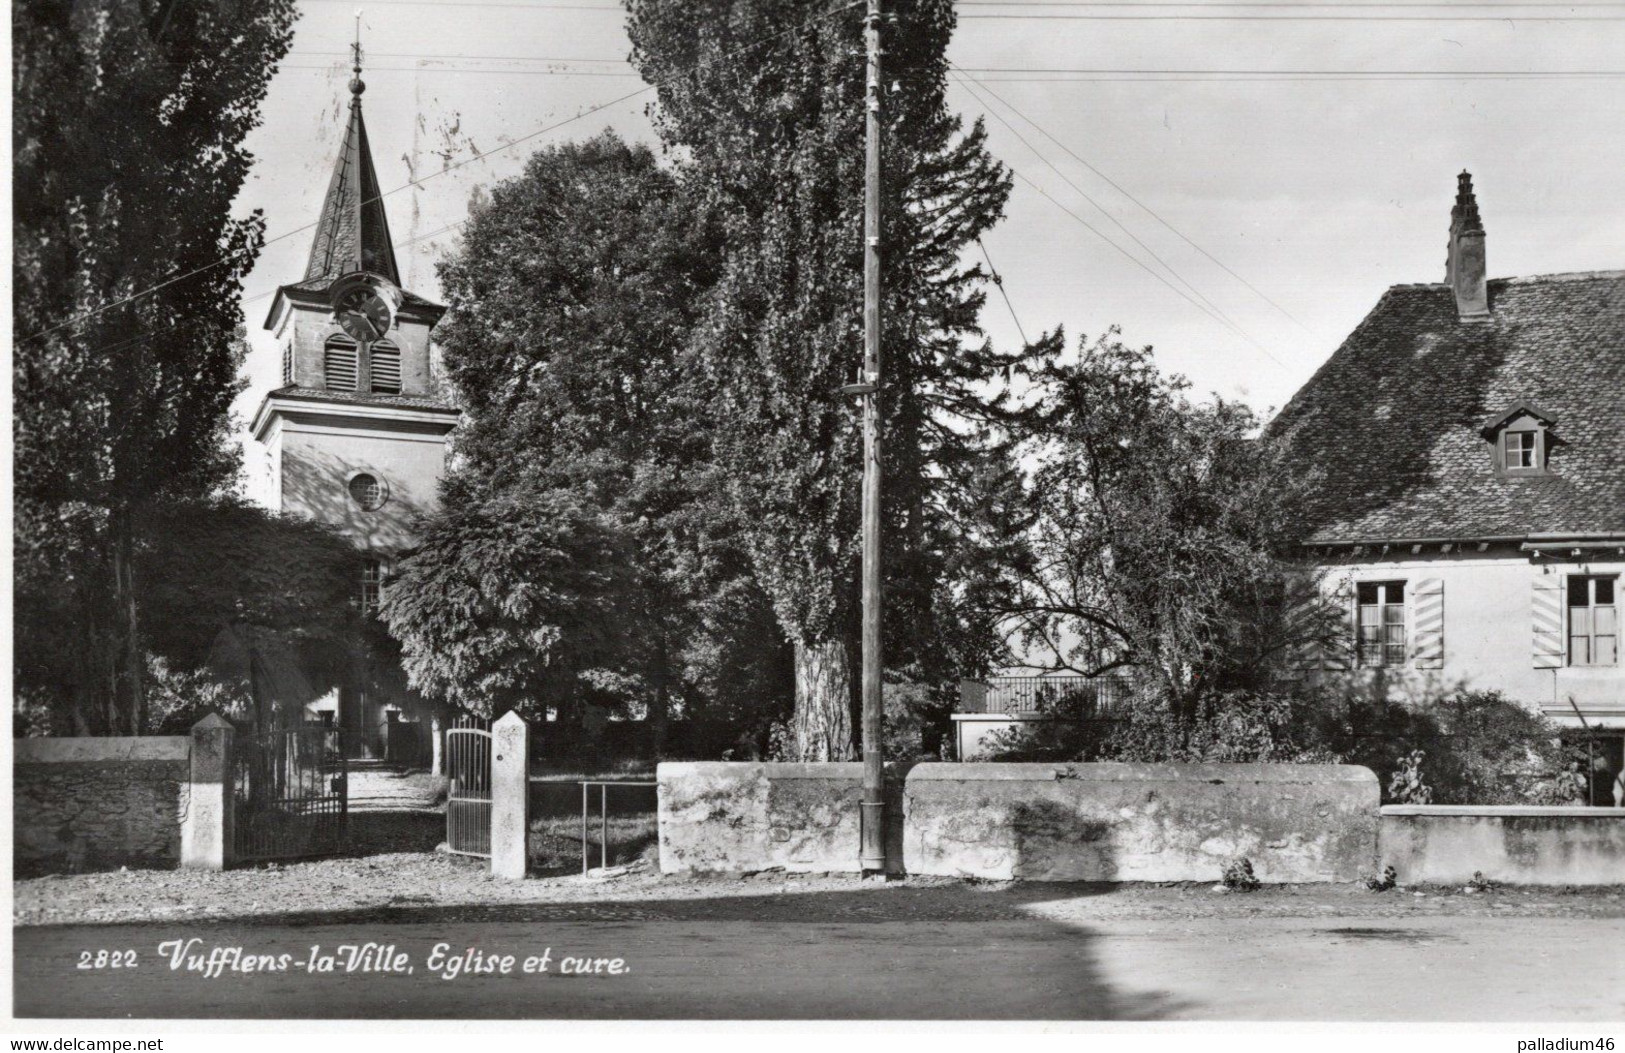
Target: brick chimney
x=1464, y=268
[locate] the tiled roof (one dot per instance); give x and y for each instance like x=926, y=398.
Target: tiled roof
x=353, y=231
x=365, y=398
x=1393, y=420
x=320, y=286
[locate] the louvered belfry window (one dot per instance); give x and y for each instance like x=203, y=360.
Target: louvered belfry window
x=340, y=364
x=386, y=368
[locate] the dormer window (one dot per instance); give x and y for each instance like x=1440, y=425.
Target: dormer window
x=1522, y=450
x=1522, y=438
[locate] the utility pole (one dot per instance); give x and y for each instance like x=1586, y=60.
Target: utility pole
x=874, y=802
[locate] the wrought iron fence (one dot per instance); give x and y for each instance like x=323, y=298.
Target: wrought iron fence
x=1080, y=697
x=468, y=794
x=290, y=793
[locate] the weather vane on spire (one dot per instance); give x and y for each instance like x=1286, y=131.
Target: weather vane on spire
x=364, y=301
x=357, y=85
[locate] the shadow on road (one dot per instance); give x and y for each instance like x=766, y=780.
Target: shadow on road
x=925, y=953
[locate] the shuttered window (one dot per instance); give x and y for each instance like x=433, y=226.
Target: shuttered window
x=1593, y=621
x=386, y=368
x=1381, y=625
x=287, y=363
x=340, y=364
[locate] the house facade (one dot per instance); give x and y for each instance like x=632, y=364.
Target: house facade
x=356, y=434
x=1470, y=511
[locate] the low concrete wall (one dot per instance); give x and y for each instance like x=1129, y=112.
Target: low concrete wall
x=729, y=817
x=976, y=734
x=1446, y=844
x=1140, y=822
x=88, y=803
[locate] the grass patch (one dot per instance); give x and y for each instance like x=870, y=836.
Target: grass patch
x=555, y=825
x=555, y=841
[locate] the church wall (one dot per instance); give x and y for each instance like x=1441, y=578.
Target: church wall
x=317, y=467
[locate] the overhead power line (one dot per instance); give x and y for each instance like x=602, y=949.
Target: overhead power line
x=1202, y=302
x=1287, y=4
x=1153, y=213
x=1140, y=263
x=998, y=283
x=1290, y=18
x=1133, y=259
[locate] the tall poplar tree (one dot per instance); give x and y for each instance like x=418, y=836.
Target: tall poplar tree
x=128, y=123
x=763, y=103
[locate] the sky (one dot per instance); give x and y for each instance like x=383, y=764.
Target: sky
x=1267, y=211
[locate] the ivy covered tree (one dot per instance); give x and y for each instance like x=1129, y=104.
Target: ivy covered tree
x=764, y=104
x=128, y=121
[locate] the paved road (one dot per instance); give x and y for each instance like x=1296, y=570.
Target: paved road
x=843, y=965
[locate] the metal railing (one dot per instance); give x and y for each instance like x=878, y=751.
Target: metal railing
x=468, y=789
x=603, y=818
x=1079, y=697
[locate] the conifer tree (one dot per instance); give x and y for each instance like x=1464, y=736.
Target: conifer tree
x=128, y=124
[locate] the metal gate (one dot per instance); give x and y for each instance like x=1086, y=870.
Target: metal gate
x=290, y=793
x=468, y=798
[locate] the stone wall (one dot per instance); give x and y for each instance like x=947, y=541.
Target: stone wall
x=741, y=817
x=1140, y=822
x=1446, y=844
x=1082, y=822
x=95, y=803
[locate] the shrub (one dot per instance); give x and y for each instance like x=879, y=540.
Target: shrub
x=914, y=722
x=1239, y=876
x=1406, y=786
x=1479, y=746
x=1236, y=727
x=1389, y=878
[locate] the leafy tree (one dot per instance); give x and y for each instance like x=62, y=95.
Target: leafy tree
x=512, y=595
x=128, y=124
x=572, y=304
x=764, y=105
x=1160, y=533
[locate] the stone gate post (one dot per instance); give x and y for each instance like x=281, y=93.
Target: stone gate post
x=510, y=797
x=206, y=826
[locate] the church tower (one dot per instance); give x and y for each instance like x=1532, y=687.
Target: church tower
x=356, y=433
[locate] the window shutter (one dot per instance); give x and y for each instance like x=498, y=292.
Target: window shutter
x=1302, y=627
x=340, y=371
x=386, y=369
x=1338, y=653
x=1547, y=622
x=1428, y=619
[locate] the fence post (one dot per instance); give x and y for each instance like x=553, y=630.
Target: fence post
x=206, y=824
x=510, y=796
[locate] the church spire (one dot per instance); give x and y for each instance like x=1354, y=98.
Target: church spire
x=353, y=231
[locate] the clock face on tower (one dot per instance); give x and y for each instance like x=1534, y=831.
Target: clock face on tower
x=364, y=305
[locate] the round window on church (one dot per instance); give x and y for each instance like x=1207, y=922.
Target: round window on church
x=368, y=491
